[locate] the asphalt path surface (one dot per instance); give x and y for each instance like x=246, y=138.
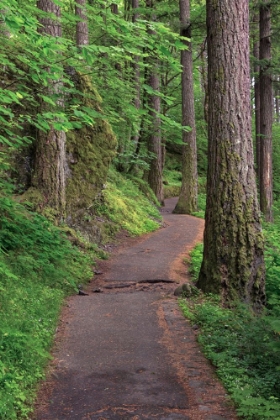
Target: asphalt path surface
x=125, y=351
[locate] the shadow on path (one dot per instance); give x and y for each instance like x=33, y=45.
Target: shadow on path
x=127, y=352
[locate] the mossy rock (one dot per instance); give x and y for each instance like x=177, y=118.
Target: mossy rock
x=171, y=191
x=186, y=290
x=89, y=154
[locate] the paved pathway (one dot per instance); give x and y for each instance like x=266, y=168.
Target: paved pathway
x=127, y=352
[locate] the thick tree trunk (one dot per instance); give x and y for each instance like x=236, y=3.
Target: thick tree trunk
x=187, y=202
x=154, y=136
x=233, y=263
x=50, y=159
x=266, y=113
x=82, y=25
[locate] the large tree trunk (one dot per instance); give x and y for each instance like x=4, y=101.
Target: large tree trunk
x=187, y=202
x=266, y=113
x=81, y=25
x=233, y=263
x=154, y=136
x=49, y=171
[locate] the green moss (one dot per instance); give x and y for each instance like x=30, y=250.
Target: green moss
x=33, y=198
x=89, y=153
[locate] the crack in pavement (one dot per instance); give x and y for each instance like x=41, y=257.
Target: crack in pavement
x=128, y=353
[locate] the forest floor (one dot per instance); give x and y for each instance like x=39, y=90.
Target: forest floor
x=125, y=351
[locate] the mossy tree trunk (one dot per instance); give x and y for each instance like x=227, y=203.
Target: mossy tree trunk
x=233, y=262
x=266, y=112
x=154, y=137
x=187, y=202
x=50, y=157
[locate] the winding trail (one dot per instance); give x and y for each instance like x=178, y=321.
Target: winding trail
x=127, y=352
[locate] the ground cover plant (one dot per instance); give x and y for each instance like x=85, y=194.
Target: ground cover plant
x=245, y=348
x=127, y=206
x=39, y=266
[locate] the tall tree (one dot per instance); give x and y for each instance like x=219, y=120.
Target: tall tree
x=256, y=54
x=136, y=73
x=187, y=202
x=154, y=136
x=233, y=262
x=81, y=25
x=50, y=160
x=266, y=111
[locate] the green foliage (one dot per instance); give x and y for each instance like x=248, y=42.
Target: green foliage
x=244, y=347
x=125, y=205
x=38, y=267
x=276, y=161
x=195, y=261
x=201, y=198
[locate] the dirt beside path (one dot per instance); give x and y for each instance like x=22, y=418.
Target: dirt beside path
x=126, y=352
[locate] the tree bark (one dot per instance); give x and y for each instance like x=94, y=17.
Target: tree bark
x=256, y=53
x=233, y=262
x=187, y=202
x=82, y=37
x=266, y=113
x=154, y=137
x=136, y=68
x=3, y=28
x=50, y=157
x=277, y=106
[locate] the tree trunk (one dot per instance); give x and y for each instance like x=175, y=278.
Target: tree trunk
x=50, y=159
x=266, y=113
x=154, y=136
x=187, y=202
x=277, y=107
x=82, y=25
x=204, y=86
x=114, y=8
x=3, y=28
x=136, y=68
x=256, y=53
x=233, y=263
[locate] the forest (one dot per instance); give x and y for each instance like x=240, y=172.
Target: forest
x=106, y=109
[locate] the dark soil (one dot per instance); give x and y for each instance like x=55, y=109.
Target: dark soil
x=124, y=351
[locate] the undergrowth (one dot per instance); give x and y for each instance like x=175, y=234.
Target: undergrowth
x=124, y=204
x=245, y=348
x=38, y=268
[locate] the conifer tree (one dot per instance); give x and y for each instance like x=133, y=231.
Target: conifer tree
x=50, y=159
x=233, y=262
x=187, y=202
